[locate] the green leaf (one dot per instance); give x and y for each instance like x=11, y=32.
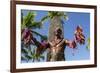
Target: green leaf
x=38, y=34
x=44, y=37
x=44, y=19
x=27, y=20
x=24, y=51
x=65, y=17
x=52, y=14
x=35, y=25
x=28, y=57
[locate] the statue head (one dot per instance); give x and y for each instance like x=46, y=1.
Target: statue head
x=58, y=32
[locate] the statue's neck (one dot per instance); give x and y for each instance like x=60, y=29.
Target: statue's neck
x=56, y=41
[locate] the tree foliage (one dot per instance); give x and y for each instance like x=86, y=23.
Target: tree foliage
x=28, y=26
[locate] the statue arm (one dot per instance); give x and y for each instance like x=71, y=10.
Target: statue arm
x=41, y=46
x=71, y=44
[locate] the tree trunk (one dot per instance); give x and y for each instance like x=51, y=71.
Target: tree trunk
x=55, y=56
x=55, y=23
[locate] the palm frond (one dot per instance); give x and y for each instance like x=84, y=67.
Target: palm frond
x=37, y=57
x=27, y=20
x=38, y=34
x=35, y=25
x=24, y=51
x=65, y=17
x=44, y=19
x=28, y=57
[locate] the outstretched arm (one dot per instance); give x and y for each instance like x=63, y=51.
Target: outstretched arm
x=71, y=44
x=41, y=46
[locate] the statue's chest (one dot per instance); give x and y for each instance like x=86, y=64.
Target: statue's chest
x=56, y=48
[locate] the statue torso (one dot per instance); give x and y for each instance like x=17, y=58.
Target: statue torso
x=57, y=50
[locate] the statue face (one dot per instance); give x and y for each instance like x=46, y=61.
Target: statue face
x=58, y=32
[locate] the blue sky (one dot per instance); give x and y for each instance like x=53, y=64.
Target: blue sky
x=74, y=19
